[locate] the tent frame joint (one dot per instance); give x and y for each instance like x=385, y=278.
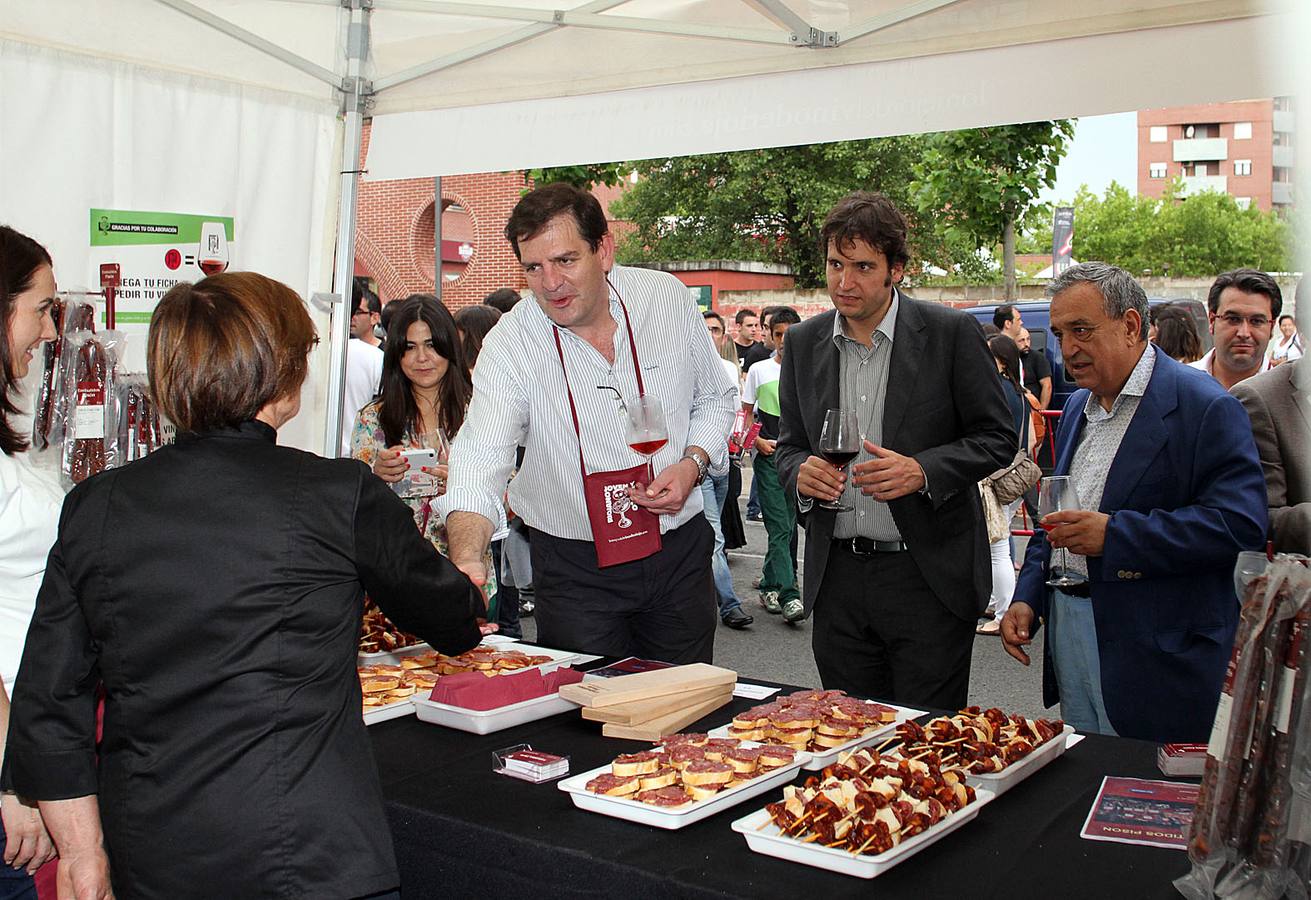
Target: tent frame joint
x=815, y=39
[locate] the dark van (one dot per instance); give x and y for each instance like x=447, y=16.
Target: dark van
x=1036, y=315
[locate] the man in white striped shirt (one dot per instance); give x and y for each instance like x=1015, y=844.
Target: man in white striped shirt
x=661, y=606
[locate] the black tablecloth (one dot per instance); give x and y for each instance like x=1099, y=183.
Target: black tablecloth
x=461, y=830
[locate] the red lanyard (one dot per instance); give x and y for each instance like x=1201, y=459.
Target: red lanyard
x=573, y=409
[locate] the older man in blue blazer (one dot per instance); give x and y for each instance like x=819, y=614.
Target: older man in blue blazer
x=1171, y=491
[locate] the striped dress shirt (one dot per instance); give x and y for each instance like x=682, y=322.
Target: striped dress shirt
x=519, y=398
x=863, y=385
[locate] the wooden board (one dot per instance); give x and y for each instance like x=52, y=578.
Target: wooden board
x=669, y=724
x=640, y=711
x=646, y=685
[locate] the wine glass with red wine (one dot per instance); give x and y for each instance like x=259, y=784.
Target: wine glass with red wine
x=212, y=257
x=646, y=430
x=839, y=444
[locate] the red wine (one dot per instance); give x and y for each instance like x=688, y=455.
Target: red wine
x=839, y=458
x=212, y=266
x=647, y=448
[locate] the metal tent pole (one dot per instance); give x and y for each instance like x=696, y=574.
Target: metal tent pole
x=356, y=97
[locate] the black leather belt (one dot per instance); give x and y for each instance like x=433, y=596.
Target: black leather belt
x=1077, y=590
x=862, y=546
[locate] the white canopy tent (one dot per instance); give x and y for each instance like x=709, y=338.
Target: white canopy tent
x=239, y=106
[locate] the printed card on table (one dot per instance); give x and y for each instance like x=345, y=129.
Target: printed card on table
x=1137, y=811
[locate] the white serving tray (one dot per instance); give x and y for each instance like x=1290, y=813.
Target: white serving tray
x=660, y=817
x=558, y=657
x=479, y=721
x=998, y=783
x=763, y=836
x=828, y=757
x=395, y=710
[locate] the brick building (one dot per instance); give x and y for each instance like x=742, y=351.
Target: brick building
x=394, y=236
x=1242, y=148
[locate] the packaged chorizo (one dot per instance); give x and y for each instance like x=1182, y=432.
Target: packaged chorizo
x=91, y=420
x=1255, y=795
x=72, y=314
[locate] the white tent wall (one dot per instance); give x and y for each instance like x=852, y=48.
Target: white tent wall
x=82, y=132
x=1090, y=75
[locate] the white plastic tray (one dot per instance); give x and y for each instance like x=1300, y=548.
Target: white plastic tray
x=486, y=721
x=391, y=657
x=763, y=836
x=634, y=811
x=828, y=757
x=395, y=710
x=998, y=783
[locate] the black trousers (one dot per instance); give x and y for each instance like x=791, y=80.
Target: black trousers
x=662, y=607
x=880, y=632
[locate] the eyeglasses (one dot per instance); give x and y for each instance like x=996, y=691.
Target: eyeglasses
x=715, y=329
x=1233, y=320
x=359, y=312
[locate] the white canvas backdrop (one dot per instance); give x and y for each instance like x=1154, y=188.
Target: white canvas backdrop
x=82, y=132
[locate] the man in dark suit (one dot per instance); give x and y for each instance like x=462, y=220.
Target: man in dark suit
x=1170, y=490
x=897, y=582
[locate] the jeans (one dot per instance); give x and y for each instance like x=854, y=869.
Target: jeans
x=753, y=498
x=713, y=491
x=1072, y=642
x=15, y=884
x=780, y=513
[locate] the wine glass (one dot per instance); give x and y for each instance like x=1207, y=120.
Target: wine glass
x=839, y=444
x=646, y=432
x=1057, y=494
x=212, y=253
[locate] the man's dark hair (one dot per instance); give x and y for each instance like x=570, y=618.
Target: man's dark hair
x=1249, y=281
x=868, y=217
x=1288, y=317
x=784, y=315
x=360, y=290
x=990, y=329
x=1003, y=314
x=503, y=299
x=743, y=313
x=711, y=314
x=767, y=315
x=538, y=207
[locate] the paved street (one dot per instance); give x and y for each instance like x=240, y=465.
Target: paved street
x=773, y=650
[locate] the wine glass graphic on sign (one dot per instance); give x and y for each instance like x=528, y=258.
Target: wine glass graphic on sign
x=646, y=430
x=839, y=444
x=1057, y=494
x=212, y=254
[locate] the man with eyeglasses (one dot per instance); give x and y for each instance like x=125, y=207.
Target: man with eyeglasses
x=363, y=357
x=1244, y=305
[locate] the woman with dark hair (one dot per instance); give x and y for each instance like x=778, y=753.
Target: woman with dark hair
x=29, y=503
x=425, y=392
x=1176, y=334
x=473, y=323
x=1007, y=356
x=213, y=590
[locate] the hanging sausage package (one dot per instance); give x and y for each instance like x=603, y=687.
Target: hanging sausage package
x=1251, y=829
x=139, y=427
x=91, y=422
x=72, y=313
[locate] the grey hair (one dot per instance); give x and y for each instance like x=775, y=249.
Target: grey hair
x=1120, y=291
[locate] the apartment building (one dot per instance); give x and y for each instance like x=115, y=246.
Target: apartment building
x=1243, y=148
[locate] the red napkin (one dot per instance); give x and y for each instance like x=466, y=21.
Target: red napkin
x=473, y=690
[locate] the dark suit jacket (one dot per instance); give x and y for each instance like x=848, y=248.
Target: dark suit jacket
x=1279, y=404
x=944, y=406
x=1185, y=495
x=215, y=588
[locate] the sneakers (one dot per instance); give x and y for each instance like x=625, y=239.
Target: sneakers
x=769, y=600
x=794, y=610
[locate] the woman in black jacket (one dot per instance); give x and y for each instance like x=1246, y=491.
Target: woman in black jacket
x=214, y=590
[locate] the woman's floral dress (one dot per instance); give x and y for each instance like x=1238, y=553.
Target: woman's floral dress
x=367, y=438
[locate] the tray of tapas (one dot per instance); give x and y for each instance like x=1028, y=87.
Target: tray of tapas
x=997, y=751
x=864, y=814
x=683, y=779
x=822, y=723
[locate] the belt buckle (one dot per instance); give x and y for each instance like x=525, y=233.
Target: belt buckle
x=856, y=551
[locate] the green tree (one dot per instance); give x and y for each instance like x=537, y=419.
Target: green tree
x=978, y=183
x=585, y=176
x=766, y=205
x=1199, y=236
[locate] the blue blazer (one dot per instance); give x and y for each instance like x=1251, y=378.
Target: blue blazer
x=1185, y=495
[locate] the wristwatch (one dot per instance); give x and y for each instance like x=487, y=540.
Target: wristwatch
x=702, y=460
